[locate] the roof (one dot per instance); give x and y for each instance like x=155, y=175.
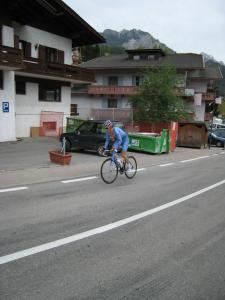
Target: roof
x=187, y=61
x=200, y=123
x=53, y=16
x=209, y=73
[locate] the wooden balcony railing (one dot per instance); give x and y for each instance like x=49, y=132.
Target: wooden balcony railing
x=11, y=58
x=208, y=96
x=112, y=90
x=62, y=71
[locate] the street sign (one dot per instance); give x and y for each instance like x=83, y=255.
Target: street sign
x=5, y=107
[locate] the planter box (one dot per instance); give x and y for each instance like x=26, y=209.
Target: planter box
x=60, y=158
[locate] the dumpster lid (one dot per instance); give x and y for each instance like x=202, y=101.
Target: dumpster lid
x=145, y=133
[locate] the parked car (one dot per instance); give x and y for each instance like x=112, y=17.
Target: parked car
x=90, y=135
x=214, y=126
x=217, y=137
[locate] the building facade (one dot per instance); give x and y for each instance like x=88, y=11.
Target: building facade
x=119, y=76
x=36, y=71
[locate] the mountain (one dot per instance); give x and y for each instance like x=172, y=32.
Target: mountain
x=210, y=59
x=118, y=41
x=132, y=39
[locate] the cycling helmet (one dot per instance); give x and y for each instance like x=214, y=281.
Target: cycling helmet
x=108, y=124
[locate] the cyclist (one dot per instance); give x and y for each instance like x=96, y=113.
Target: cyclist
x=119, y=137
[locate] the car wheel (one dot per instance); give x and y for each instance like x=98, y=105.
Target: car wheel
x=219, y=144
x=100, y=150
x=68, y=146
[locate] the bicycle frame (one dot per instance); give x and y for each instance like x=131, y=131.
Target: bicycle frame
x=111, y=167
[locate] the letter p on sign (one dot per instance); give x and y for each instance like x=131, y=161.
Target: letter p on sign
x=5, y=106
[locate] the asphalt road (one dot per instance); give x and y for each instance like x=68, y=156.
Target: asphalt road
x=174, y=250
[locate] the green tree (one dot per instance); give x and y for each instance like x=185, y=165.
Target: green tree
x=222, y=108
x=157, y=99
x=90, y=52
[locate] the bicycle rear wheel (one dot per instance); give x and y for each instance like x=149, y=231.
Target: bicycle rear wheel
x=109, y=171
x=131, y=167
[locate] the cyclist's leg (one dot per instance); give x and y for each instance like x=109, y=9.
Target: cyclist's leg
x=124, y=150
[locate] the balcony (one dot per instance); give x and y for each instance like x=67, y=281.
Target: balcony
x=112, y=90
x=10, y=58
x=60, y=71
x=208, y=96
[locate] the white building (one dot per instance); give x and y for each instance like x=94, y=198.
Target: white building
x=118, y=76
x=36, y=71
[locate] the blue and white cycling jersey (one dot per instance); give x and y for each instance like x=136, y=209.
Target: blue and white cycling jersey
x=121, y=139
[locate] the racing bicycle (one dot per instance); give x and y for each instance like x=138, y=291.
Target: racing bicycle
x=114, y=165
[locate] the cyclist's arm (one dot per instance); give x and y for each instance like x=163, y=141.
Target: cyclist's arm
x=118, y=140
x=107, y=140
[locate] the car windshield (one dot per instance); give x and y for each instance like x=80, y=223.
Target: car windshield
x=87, y=126
x=220, y=133
x=98, y=127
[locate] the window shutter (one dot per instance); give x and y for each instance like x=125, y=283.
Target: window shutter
x=28, y=50
x=41, y=52
x=16, y=41
x=60, y=57
x=0, y=34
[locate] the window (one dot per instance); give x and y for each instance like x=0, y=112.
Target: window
x=87, y=127
x=101, y=128
x=113, y=80
x=20, y=87
x=51, y=54
x=137, y=80
x=136, y=57
x=26, y=48
x=49, y=91
x=73, y=110
x=1, y=80
x=151, y=57
x=112, y=103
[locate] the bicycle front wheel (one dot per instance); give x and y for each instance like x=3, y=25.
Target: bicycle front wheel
x=131, y=167
x=109, y=171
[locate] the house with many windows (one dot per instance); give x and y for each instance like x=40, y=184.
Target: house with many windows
x=36, y=71
x=118, y=77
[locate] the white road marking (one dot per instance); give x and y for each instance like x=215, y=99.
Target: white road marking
x=141, y=169
x=192, y=159
x=80, y=236
x=79, y=179
x=13, y=189
x=165, y=165
x=222, y=152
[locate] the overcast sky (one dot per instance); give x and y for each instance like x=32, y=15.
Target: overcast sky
x=183, y=25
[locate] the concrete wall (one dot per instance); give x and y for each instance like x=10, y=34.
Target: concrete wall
x=200, y=112
x=37, y=36
x=29, y=108
x=7, y=119
x=85, y=103
x=7, y=36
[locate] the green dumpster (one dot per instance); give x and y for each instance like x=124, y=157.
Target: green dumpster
x=72, y=124
x=150, y=142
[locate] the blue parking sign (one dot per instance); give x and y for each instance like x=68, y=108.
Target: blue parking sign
x=5, y=106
